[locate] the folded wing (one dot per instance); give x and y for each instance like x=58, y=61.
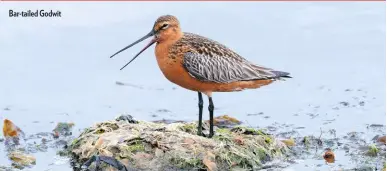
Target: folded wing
x=223, y=69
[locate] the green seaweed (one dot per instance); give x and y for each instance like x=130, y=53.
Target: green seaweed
x=248, y=131
x=306, y=141
x=189, y=128
x=236, y=160
x=268, y=139
x=223, y=131
x=222, y=138
x=136, y=148
x=372, y=150
x=75, y=143
x=185, y=163
x=263, y=154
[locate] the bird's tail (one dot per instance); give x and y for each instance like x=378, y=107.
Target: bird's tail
x=281, y=74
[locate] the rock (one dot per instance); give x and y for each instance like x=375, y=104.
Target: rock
x=329, y=156
x=12, y=133
x=382, y=139
x=255, y=114
x=21, y=160
x=11, y=130
x=225, y=121
x=289, y=142
x=6, y=168
x=63, y=129
x=209, y=162
x=306, y=140
x=163, y=111
x=362, y=168
x=127, y=118
x=159, y=146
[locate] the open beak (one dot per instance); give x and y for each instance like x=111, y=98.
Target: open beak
x=150, y=34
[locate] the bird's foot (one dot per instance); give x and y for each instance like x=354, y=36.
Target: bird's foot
x=202, y=134
x=205, y=133
x=106, y=159
x=208, y=135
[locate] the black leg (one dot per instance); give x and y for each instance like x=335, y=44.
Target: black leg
x=108, y=160
x=211, y=110
x=200, y=114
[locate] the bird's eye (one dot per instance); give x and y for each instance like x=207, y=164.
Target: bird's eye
x=164, y=26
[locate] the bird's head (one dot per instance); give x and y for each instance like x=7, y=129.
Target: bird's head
x=166, y=28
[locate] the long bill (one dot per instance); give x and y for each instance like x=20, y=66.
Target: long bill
x=150, y=34
x=146, y=47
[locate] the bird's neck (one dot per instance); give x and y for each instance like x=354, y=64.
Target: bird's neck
x=163, y=46
x=171, y=39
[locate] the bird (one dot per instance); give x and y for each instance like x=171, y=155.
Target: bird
x=202, y=65
x=198, y=64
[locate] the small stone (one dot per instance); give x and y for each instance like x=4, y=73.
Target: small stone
x=120, y=83
x=382, y=139
x=346, y=148
x=44, y=140
x=163, y=111
x=127, y=118
x=255, y=114
x=63, y=128
x=21, y=160
x=209, y=161
x=12, y=133
x=329, y=156
x=6, y=168
x=306, y=140
x=376, y=125
x=344, y=103
x=226, y=121
x=289, y=142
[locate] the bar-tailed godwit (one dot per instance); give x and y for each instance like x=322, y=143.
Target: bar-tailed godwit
x=198, y=64
x=201, y=64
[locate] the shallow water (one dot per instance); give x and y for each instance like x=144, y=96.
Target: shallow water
x=58, y=69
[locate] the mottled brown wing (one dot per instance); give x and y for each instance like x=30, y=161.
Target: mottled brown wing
x=222, y=69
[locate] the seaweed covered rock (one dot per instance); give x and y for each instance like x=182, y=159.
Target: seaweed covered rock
x=156, y=146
